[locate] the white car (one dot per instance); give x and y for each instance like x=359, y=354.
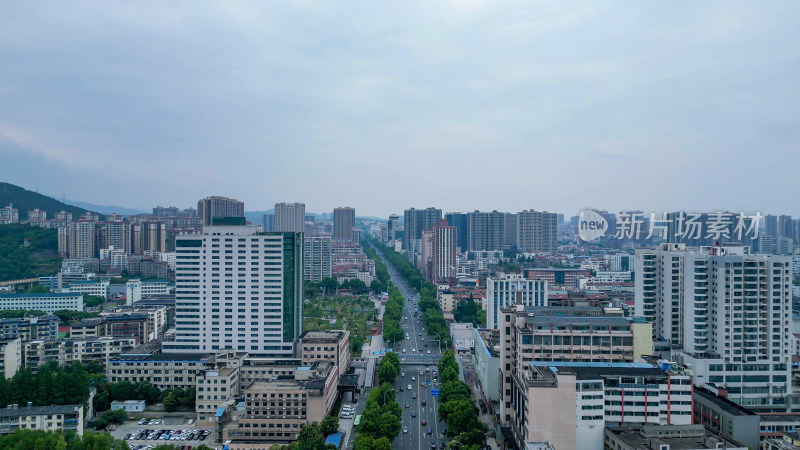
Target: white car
x=413, y=378
x=409, y=387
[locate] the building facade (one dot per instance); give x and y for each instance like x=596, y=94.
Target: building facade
x=344, y=220
x=240, y=289
x=217, y=206
x=290, y=217
x=48, y=303
x=725, y=313
x=317, y=258
x=507, y=289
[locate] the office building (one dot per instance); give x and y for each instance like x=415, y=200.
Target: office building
x=290, y=217
x=10, y=356
x=245, y=295
x=510, y=289
x=444, y=254
x=416, y=220
x=570, y=404
x=577, y=334
x=486, y=231
x=97, y=288
x=48, y=303
x=725, y=313
x=344, y=220
x=44, y=418
x=216, y=206
x=317, y=258
x=537, y=231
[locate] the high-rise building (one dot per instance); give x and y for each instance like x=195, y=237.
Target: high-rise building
x=771, y=225
x=268, y=222
x=724, y=312
x=166, y=211
x=290, y=217
x=444, y=253
x=416, y=220
x=118, y=235
x=76, y=239
x=9, y=214
x=392, y=226
x=317, y=258
x=510, y=230
x=486, y=230
x=216, y=206
x=37, y=215
x=537, y=231
x=786, y=226
x=511, y=289
x=246, y=295
x=459, y=221
x=344, y=220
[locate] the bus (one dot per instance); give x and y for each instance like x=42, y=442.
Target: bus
x=357, y=421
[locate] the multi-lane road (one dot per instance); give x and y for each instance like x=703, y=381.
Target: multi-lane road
x=419, y=356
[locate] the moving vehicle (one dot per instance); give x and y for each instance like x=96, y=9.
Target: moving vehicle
x=430, y=431
x=409, y=387
x=424, y=422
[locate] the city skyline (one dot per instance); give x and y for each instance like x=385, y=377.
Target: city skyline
x=601, y=105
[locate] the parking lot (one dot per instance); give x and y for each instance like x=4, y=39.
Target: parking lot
x=144, y=435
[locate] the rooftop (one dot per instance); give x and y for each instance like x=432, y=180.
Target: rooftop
x=593, y=370
x=677, y=437
x=45, y=295
x=164, y=357
x=39, y=410
x=723, y=403
x=322, y=336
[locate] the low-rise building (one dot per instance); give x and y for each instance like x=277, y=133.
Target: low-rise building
x=65, y=351
x=215, y=388
x=487, y=362
x=48, y=303
x=447, y=303
x=277, y=408
x=638, y=436
x=162, y=370
x=10, y=356
x=30, y=328
x=463, y=337
x=45, y=418
x=725, y=417
x=98, y=288
x=788, y=441
x=131, y=406
x=331, y=346
x=581, y=398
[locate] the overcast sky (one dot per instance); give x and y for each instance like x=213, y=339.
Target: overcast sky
x=382, y=106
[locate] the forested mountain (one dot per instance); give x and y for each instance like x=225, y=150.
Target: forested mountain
x=27, y=252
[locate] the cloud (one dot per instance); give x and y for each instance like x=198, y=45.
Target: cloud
x=461, y=105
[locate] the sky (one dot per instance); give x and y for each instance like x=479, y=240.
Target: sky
x=382, y=106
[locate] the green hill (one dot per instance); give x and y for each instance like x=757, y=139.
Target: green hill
x=25, y=200
x=27, y=252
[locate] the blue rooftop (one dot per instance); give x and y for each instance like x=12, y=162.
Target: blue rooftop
x=334, y=439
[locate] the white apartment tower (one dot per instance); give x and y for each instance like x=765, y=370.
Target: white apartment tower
x=317, y=258
x=444, y=253
x=505, y=290
x=726, y=314
x=290, y=217
x=238, y=288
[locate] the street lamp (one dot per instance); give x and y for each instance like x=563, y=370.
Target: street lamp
x=384, y=395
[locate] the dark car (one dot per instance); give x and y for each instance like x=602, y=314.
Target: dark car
x=430, y=431
x=433, y=444
x=424, y=402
